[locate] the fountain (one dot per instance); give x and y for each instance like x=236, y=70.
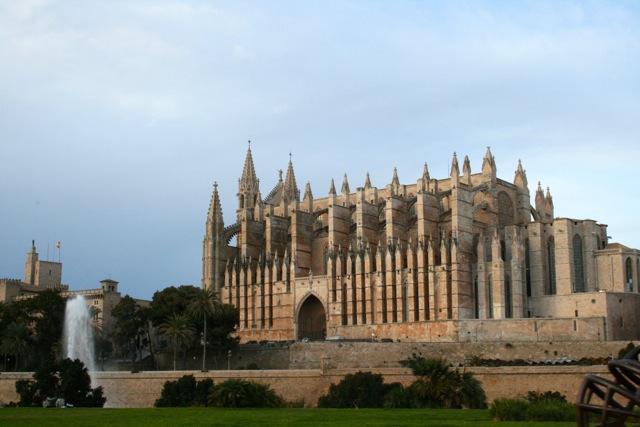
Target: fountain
x=78, y=334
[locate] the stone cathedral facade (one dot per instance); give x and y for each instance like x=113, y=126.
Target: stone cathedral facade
x=464, y=258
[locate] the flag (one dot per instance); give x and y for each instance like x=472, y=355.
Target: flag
x=58, y=245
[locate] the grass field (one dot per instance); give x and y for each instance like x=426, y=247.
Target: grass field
x=77, y=417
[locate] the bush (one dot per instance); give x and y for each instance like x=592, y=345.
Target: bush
x=69, y=379
x=623, y=351
x=535, y=396
x=359, y=390
x=238, y=393
x=439, y=386
x=505, y=409
x=398, y=397
x=551, y=410
x=184, y=392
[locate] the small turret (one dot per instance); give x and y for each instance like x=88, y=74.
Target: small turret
x=455, y=171
x=367, y=182
x=344, y=192
x=466, y=171
x=548, y=205
x=307, y=200
x=489, y=167
x=540, y=209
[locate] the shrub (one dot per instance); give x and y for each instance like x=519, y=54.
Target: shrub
x=623, y=351
x=551, y=410
x=536, y=396
x=69, y=379
x=439, y=386
x=186, y=391
x=398, y=397
x=359, y=390
x=505, y=409
x=238, y=393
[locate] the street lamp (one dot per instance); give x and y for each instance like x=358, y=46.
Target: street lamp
x=229, y=360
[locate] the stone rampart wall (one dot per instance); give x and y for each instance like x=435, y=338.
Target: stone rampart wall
x=349, y=354
x=140, y=390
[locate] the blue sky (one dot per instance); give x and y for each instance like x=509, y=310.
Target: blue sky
x=117, y=117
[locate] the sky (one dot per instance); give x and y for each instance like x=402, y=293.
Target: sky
x=117, y=117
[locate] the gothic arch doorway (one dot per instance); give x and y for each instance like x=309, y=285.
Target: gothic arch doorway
x=312, y=319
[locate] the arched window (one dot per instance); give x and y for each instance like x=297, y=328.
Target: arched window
x=628, y=276
x=505, y=210
x=578, y=264
x=551, y=255
x=490, y=295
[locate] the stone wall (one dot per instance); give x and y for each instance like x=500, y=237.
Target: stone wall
x=348, y=355
x=140, y=390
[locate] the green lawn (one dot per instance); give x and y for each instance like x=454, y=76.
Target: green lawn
x=40, y=417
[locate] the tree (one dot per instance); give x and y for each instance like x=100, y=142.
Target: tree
x=44, y=315
x=130, y=326
x=179, y=332
x=205, y=304
x=16, y=341
x=171, y=300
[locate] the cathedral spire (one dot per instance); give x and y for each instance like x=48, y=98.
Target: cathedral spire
x=290, y=186
x=215, y=210
x=249, y=184
x=249, y=172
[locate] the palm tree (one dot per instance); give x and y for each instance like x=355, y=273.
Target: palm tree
x=205, y=303
x=16, y=341
x=179, y=331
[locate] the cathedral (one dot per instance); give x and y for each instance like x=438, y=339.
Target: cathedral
x=461, y=259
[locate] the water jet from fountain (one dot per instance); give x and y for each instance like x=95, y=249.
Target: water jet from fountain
x=79, y=340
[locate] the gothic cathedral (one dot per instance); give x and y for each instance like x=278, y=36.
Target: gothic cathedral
x=465, y=258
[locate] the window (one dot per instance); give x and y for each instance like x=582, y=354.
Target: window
x=490, y=296
x=505, y=210
x=527, y=263
x=578, y=264
x=487, y=249
x=628, y=276
x=551, y=254
x=476, y=298
x=508, y=306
